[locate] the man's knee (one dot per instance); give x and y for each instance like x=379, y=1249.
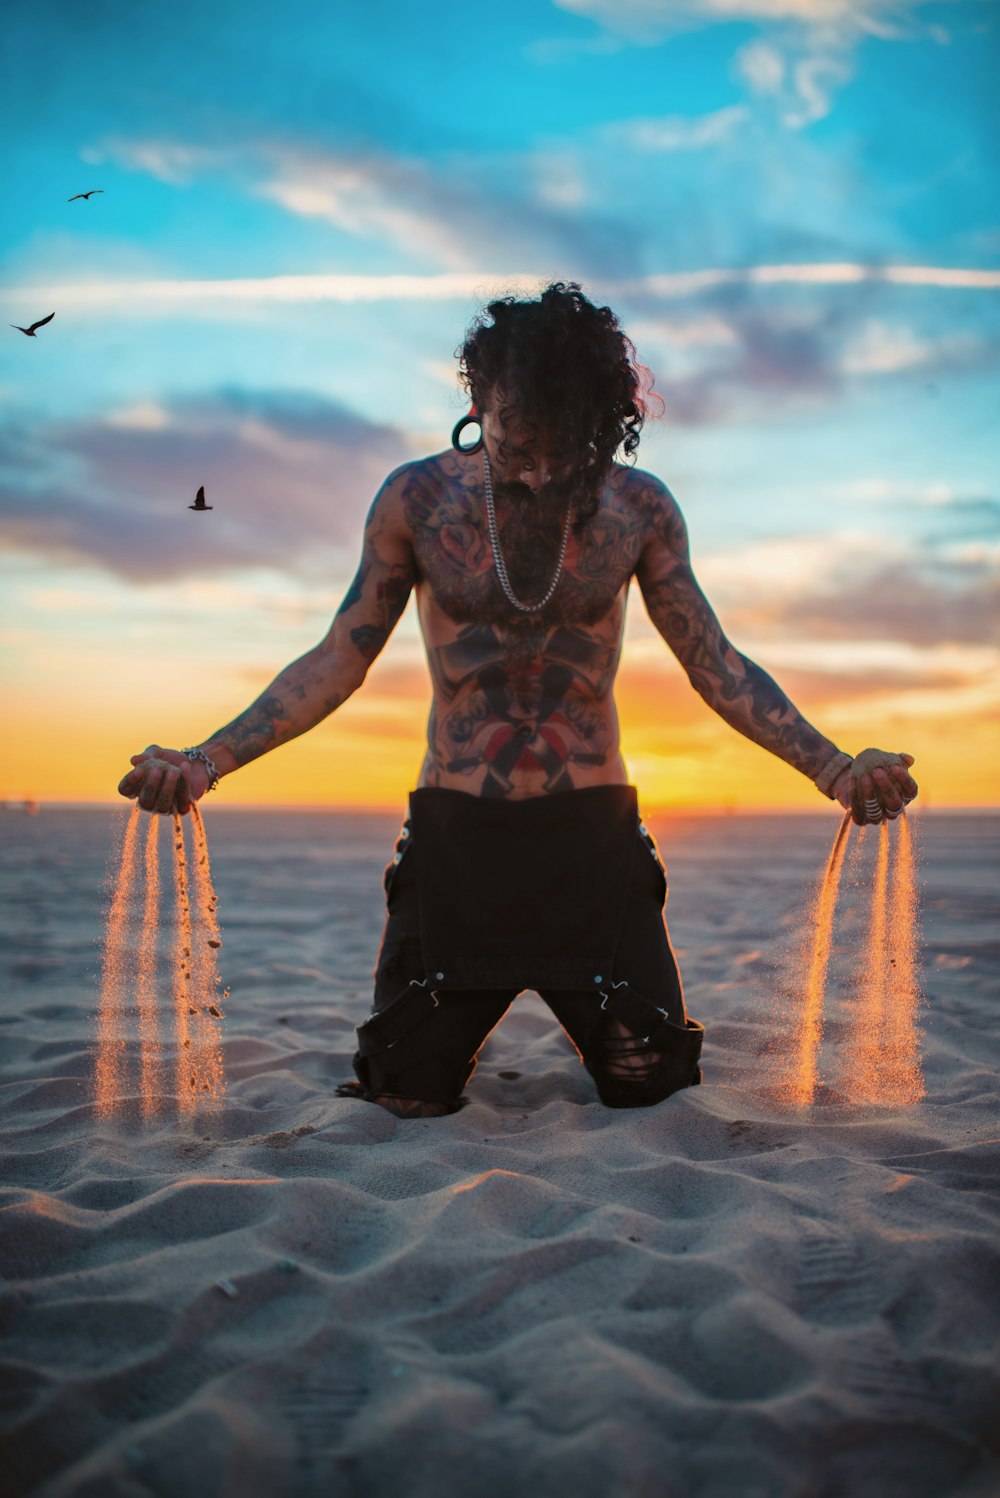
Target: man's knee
x=403, y=1050
x=637, y=1055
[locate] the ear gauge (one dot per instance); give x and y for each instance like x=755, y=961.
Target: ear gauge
x=469, y=420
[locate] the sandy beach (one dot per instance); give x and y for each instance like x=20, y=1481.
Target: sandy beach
x=294, y=1293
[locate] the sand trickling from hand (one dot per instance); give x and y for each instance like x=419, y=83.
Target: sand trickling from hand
x=133, y=967
x=810, y=1033
x=146, y=984
x=115, y=968
x=903, y=1081
x=209, y=1075
x=877, y=1055
x=181, y=970
x=870, y=1016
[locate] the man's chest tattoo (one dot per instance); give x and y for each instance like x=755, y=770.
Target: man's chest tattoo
x=522, y=699
x=452, y=548
x=517, y=693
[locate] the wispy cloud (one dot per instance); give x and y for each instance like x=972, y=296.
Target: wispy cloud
x=446, y=213
x=843, y=273
x=154, y=299
x=751, y=359
x=808, y=53
x=176, y=162
x=290, y=476
x=649, y=21
x=802, y=87
x=882, y=348
x=676, y=132
x=856, y=587
x=160, y=298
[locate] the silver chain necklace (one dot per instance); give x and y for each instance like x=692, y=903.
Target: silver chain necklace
x=498, y=561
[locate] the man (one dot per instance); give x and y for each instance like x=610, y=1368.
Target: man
x=523, y=862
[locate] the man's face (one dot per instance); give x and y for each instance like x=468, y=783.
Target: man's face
x=534, y=465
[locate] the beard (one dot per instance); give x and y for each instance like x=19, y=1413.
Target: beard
x=549, y=499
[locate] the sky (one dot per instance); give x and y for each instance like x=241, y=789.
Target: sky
x=791, y=205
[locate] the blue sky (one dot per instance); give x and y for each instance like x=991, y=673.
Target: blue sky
x=792, y=204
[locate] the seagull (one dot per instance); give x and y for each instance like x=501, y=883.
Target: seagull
x=31, y=331
x=87, y=195
x=199, y=501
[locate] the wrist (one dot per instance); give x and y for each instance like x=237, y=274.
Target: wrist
x=197, y=756
x=221, y=756
x=827, y=777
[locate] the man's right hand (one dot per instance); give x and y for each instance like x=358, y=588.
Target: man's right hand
x=164, y=780
x=892, y=786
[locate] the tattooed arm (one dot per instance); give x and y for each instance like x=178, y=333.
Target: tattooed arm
x=320, y=681
x=738, y=690
x=313, y=686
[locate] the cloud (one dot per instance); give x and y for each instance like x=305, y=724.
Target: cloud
x=803, y=88
x=842, y=273
x=175, y=162
x=819, y=684
x=807, y=56
x=858, y=587
x=381, y=198
x=880, y=348
x=650, y=21
x=922, y=604
x=677, y=132
x=762, y=67
x=958, y=520
x=291, y=477
x=748, y=359
x=154, y=300
x=158, y=299
x=450, y=213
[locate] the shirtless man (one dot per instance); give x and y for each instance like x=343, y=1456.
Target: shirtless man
x=520, y=548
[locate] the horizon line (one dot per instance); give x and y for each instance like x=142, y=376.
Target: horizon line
x=17, y=804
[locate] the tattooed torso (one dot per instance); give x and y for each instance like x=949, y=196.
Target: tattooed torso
x=523, y=704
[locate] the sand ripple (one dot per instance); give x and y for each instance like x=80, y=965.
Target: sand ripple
x=297, y=1294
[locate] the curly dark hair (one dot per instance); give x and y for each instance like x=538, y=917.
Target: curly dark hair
x=562, y=364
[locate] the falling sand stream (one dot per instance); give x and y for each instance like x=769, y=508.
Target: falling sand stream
x=144, y=944
x=177, y=1059
x=879, y=1057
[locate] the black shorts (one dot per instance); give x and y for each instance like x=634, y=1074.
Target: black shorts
x=421, y=1042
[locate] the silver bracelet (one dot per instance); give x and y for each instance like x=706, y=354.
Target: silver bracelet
x=830, y=772
x=213, y=775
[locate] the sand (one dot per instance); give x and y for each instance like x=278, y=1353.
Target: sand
x=295, y=1294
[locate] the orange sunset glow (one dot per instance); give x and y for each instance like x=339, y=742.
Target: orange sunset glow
x=80, y=712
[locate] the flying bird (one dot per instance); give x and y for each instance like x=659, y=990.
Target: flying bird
x=87, y=195
x=199, y=501
x=39, y=324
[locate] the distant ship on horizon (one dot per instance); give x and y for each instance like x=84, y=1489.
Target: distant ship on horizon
x=27, y=804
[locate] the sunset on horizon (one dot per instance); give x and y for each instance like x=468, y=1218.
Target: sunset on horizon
x=264, y=295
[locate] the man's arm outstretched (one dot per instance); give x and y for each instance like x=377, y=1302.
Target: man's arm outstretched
x=311, y=687
x=734, y=686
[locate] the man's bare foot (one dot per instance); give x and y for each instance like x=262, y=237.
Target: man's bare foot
x=402, y=1107
x=411, y=1107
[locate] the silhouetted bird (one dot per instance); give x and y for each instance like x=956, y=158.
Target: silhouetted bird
x=199, y=502
x=87, y=195
x=39, y=324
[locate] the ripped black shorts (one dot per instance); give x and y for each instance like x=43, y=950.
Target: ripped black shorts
x=632, y=1033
